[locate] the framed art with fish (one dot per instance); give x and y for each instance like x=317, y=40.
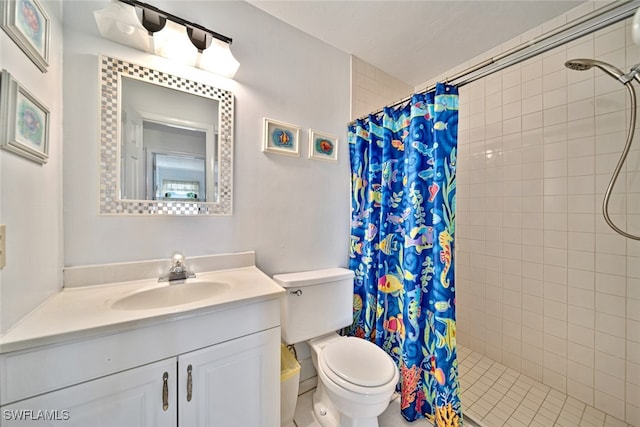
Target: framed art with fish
x=29, y=26
x=323, y=146
x=24, y=121
x=281, y=138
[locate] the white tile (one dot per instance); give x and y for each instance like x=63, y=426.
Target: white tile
x=556, y=132
x=580, y=297
x=583, y=109
x=555, y=310
x=555, y=168
x=612, y=325
x=633, y=352
x=633, y=330
x=584, y=223
x=555, y=98
x=609, y=344
x=581, y=335
x=581, y=354
x=555, y=239
x=580, y=391
x=554, y=379
x=555, y=273
x=581, y=260
x=580, y=373
x=610, y=102
x=580, y=184
x=556, y=257
x=608, y=403
x=612, y=244
x=633, y=414
x=610, y=264
x=581, y=165
x=579, y=278
x=555, y=150
x=581, y=316
x=555, y=186
x=610, y=122
x=613, y=365
x=608, y=42
x=633, y=290
x=633, y=372
x=610, y=304
x=559, y=114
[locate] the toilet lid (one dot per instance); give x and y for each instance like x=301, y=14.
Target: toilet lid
x=359, y=362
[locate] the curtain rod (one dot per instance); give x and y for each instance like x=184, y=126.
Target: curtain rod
x=587, y=24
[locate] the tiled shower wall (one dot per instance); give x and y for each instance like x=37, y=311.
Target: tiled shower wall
x=544, y=286
x=371, y=88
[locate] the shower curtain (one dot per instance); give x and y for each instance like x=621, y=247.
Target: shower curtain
x=403, y=183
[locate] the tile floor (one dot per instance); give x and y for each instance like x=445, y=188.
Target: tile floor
x=493, y=396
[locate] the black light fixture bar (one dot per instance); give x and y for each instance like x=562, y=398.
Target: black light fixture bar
x=201, y=45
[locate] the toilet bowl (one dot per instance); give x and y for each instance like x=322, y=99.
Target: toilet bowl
x=356, y=381
x=356, y=378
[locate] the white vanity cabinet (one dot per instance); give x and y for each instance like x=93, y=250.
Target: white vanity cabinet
x=130, y=398
x=218, y=368
x=232, y=383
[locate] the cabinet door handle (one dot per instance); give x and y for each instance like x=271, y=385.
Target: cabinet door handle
x=189, y=383
x=165, y=391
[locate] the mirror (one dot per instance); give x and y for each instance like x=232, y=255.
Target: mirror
x=167, y=140
x=166, y=143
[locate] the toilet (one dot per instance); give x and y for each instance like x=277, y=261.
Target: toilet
x=356, y=378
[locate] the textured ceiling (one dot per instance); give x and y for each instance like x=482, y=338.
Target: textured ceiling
x=415, y=40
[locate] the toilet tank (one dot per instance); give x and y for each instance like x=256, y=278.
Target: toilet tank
x=316, y=303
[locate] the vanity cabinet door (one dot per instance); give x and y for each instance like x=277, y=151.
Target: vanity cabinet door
x=235, y=383
x=129, y=398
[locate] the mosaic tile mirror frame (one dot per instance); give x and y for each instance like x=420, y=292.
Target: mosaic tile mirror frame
x=111, y=72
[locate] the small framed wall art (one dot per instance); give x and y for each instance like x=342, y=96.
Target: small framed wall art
x=24, y=121
x=323, y=146
x=29, y=26
x=281, y=138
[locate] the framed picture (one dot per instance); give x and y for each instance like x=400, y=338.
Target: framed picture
x=323, y=146
x=27, y=23
x=24, y=121
x=281, y=138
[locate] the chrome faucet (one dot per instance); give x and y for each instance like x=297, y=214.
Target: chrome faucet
x=178, y=270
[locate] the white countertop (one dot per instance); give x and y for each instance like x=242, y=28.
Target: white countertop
x=82, y=312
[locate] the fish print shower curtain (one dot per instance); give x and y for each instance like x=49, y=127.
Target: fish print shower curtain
x=403, y=182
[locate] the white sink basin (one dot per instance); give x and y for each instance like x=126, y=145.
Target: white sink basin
x=171, y=295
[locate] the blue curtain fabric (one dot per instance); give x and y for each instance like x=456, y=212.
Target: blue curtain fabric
x=403, y=183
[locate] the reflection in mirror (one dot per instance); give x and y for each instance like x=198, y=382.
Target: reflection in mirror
x=175, y=125
x=172, y=140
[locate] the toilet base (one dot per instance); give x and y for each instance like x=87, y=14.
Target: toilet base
x=323, y=410
x=326, y=414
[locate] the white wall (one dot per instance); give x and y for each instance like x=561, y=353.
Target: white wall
x=30, y=194
x=293, y=211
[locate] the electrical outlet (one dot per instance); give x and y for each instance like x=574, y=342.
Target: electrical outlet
x=3, y=237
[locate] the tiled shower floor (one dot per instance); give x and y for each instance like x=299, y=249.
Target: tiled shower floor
x=493, y=396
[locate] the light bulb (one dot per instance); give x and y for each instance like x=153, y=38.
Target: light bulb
x=218, y=58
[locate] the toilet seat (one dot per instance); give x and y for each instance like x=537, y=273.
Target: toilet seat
x=357, y=364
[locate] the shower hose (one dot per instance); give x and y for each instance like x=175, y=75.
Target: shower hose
x=618, y=168
x=582, y=64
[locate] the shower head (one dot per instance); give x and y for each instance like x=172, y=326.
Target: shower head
x=586, y=64
x=579, y=64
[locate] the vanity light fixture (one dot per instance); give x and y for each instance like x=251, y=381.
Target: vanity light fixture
x=150, y=29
